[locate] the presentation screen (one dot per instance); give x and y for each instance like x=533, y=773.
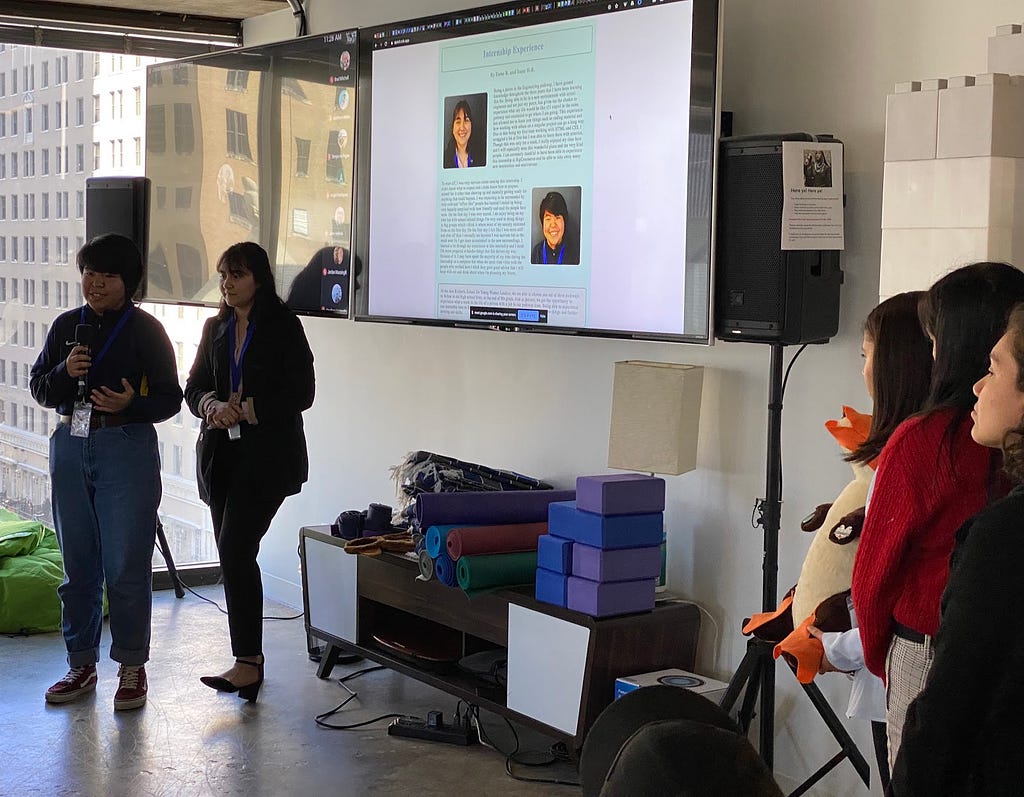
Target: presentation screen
x=540, y=167
x=254, y=144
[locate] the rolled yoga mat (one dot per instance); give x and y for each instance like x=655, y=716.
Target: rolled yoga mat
x=487, y=508
x=491, y=571
x=444, y=569
x=436, y=536
x=426, y=562
x=511, y=538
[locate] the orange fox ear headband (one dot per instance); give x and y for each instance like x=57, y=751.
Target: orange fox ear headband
x=851, y=430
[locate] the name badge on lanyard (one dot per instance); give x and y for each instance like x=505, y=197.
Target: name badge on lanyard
x=81, y=414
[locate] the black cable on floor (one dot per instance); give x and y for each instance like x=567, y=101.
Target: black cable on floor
x=319, y=718
x=557, y=753
x=224, y=611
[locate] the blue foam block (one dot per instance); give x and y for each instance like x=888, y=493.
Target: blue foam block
x=554, y=553
x=551, y=587
x=604, y=531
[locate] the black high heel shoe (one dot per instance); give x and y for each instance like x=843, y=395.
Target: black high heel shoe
x=248, y=692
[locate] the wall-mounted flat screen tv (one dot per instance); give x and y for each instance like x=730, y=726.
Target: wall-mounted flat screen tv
x=542, y=167
x=254, y=144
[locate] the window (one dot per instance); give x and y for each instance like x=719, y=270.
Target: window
x=161, y=196
x=180, y=74
x=67, y=161
x=14, y=248
x=46, y=289
x=14, y=123
x=80, y=111
x=14, y=415
x=184, y=132
x=64, y=68
x=138, y=101
x=138, y=151
x=120, y=103
x=44, y=166
x=29, y=163
x=14, y=164
x=45, y=257
x=79, y=204
x=46, y=206
x=28, y=121
x=95, y=64
x=120, y=152
x=95, y=156
x=238, y=135
x=3, y=124
x=14, y=81
x=177, y=461
x=3, y=208
x=156, y=139
x=79, y=66
x=95, y=107
x=14, y=296
x=57, y=110
x=44, y=117
x=3, y=162
x=3, y=371
x=3, y=85
x=14, y=371
x=237, y=80
x=113, y=106
x=80, y=158
x=3, y=256
x=57, y=160
x=240, y=211
x=183, y=197
x=14, y=206
x=302, y=157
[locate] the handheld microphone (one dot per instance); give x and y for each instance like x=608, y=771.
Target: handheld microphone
x=85, y=334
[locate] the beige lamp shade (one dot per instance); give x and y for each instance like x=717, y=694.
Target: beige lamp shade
x=655, y=416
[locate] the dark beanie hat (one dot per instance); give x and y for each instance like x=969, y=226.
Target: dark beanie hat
x=113, y=254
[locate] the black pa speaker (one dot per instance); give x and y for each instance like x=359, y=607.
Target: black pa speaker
x=762, y=293
x=119, y=205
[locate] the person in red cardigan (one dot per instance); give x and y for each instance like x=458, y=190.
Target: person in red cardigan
x=931, y=477
x=963, y=734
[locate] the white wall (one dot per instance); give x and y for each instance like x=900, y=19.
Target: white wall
x=540, y=405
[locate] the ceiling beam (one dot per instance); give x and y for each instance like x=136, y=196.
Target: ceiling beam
x=119, y=17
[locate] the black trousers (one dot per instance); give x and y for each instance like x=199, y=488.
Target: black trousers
x=881, y=740
x=240, y=519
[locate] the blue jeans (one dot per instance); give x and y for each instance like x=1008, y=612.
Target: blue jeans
x=105, y=490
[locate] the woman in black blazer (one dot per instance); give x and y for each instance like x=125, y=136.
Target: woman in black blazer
x=250, y=382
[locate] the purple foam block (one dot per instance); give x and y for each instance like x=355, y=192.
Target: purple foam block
x=610, y=598
x=551, y=587
x=623, y=564
x=604, y=531
x=620, y=494
x=554, y=553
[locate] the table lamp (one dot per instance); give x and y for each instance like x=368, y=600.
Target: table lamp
x=655, y=417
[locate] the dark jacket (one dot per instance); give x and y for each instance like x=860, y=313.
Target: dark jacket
x=963, y=735
x=141, y=353
x=277, y=374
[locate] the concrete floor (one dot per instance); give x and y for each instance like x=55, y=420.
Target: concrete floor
x=190, y=740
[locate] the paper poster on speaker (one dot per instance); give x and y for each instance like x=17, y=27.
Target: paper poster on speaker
x=812, y=208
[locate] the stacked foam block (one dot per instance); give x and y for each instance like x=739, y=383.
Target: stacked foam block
x=953, y=189
x=602, y=552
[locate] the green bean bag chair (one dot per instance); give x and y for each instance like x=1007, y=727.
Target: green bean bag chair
x=31, y=569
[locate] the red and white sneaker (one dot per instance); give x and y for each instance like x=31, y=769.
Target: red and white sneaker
x=79, y=681
x=131, y=688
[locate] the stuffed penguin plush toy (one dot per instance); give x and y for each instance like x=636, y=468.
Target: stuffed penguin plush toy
x=819, y=597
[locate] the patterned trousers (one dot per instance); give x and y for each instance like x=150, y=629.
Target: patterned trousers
x=906, y=669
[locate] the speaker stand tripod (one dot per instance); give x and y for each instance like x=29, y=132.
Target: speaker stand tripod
x=172, y=571
x=756, y=671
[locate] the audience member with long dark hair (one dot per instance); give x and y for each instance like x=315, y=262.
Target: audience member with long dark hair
x=963, y=735
x=931, y=477
x=251, y=381
x=105, y=464
x=897, y=373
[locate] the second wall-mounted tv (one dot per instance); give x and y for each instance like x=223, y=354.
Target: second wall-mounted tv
x=541, y=167
x=255, y=144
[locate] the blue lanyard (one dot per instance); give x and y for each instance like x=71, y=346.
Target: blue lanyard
x=113, y=335
x=561, y=253
x=455, y=158
x=236, y=365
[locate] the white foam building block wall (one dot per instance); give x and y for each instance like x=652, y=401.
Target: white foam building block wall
x=981, y=120
x=953, y=192
x=913, y=259
x=911, y=123
x=1006, y=50
x=953, y=187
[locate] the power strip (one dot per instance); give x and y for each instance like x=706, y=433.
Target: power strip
x=434, y=729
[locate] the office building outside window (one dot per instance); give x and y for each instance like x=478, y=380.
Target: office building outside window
x=36, y=248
